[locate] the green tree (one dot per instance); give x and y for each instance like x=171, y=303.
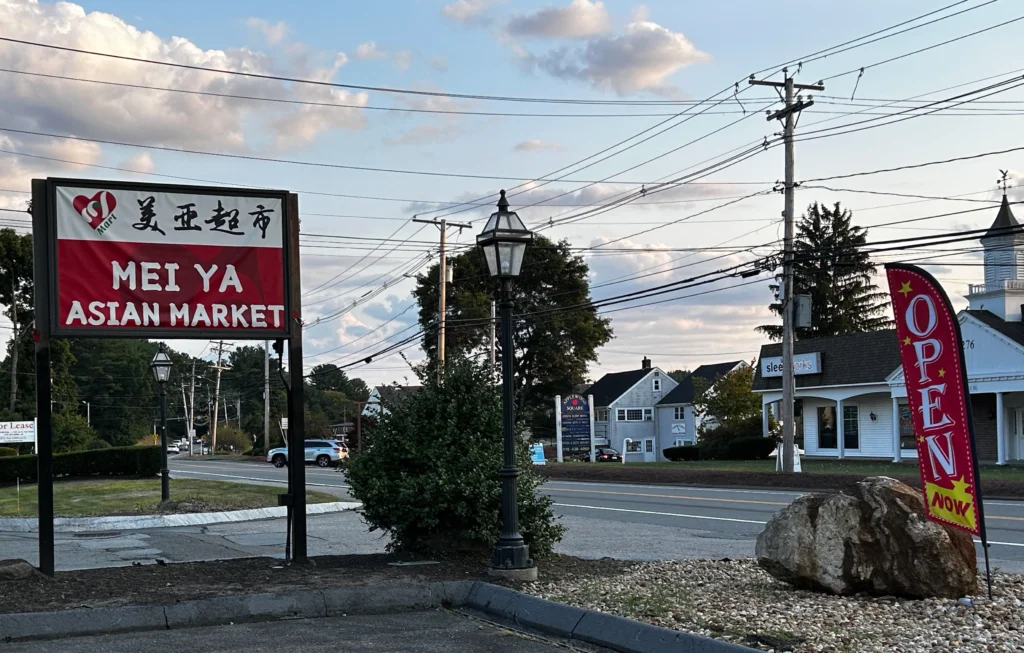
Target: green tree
x=231, y=438
x=553, y=351
x=430, y=477
x=71, y=432
x=679, y=375
x=727, y=400
x=831, y=266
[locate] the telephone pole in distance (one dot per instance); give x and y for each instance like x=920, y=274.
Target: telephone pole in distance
x=442, y=276
x=788, y=114
x=220, y=348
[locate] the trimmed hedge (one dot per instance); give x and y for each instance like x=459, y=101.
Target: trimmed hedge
x=685, y=452
x=753, y=448
x=116, y=461
x=8, y=451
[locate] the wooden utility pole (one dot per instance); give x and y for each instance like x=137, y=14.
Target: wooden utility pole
x=359, y=424
x=789, y=115
x=442, y=277
x=220, y=348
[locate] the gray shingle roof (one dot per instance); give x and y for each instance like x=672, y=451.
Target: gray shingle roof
x=1004, y=222
x=392, y=393
x=853, y=358
x=1012, y=330
x=612, y=386
x=685, y=392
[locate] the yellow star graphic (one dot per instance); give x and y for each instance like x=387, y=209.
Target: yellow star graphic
x=906, y=341
x=905, y=290
x=920, y=438
x=942, y=373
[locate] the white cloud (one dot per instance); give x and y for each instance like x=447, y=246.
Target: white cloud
x=579, y=19
x=640, y=59
x=274, y=33
x=163, y=118
x=639, y=15
x=402, y=59
x=141, y=162
x=467, y=12
x=438, y=63
x=369, y=50
x=534, y=144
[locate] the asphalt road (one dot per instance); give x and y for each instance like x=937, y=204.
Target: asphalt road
x=413, y=632
x=628, y=521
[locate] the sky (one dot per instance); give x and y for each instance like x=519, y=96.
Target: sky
x=587, y=51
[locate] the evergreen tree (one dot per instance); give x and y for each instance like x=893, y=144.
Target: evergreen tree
x=831, y=266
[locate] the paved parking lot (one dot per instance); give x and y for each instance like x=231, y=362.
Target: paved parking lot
x=414, y=632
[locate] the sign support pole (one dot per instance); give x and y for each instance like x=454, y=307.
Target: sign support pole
x=590, y=402
x=296, y=415
x=44, y=436
x=558, y=428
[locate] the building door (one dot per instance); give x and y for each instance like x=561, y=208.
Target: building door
x=650, y=455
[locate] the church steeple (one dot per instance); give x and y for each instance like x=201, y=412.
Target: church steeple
x=1003, y=290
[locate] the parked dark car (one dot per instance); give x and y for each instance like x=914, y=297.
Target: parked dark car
x=607, y=455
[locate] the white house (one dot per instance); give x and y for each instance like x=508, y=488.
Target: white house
x=850, y=396
x=382, y=395
x=676, y=420
x=624, y=407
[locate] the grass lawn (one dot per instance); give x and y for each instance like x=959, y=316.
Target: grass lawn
x=858, y=467
x=142, y=496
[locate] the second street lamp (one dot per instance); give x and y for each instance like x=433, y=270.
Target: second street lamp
x=161, y=366
x=504, y=240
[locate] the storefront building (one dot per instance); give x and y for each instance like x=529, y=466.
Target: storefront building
x=851, y=401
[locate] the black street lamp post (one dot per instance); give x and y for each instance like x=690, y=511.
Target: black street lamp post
x=161, y=366
x=504, y=240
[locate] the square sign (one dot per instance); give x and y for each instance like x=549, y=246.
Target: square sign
x=164, y=261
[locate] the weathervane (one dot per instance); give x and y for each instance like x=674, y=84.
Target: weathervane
x=1002, y=182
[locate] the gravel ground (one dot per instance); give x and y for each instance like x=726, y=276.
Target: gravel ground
x=737, y=601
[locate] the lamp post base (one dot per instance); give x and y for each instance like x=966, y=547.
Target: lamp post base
x=524, y=575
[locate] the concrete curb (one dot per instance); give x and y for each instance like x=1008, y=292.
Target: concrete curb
x=92, y=524
x=500, y=603
x=609, y=631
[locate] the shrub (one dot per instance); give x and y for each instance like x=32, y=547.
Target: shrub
x=71, y=432
x=685, y=452
x=230, y=436
x=8, y=451
x=429, y=477
x=115, y=461
x=714, y=443
x=98, y=444
x=755, y=448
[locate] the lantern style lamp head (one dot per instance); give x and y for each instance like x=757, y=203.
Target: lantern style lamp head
x=504, y=240
x=161, y=366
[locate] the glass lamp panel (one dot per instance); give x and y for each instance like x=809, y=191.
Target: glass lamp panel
x=492, y=261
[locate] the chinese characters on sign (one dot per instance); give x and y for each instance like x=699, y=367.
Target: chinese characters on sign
x=929, y=340
x=163, y=258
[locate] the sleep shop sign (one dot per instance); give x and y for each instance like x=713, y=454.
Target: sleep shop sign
x=802, y=364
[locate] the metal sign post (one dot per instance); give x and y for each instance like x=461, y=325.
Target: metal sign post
x=116, y=259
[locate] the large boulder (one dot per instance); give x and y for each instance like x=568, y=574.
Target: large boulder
x=876, y=540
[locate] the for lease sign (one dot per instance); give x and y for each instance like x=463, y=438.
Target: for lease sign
x=166, y=259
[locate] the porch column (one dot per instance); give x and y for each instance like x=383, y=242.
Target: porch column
x=839, y=427
x=764, y=420
x=897, y=454
x=1000, y=431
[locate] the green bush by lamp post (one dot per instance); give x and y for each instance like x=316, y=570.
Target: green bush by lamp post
x=503, y=241
x=161, y=366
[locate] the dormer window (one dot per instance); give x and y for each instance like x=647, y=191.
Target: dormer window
x=657, y=383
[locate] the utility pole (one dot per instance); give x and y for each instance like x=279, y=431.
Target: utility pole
x=266, y=396
x=789, y=114
x=219, y=347
x=493, y=346
x=442, y=277
x=192, y=406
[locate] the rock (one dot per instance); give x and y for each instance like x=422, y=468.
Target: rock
x=16, y=570
x=876, y=541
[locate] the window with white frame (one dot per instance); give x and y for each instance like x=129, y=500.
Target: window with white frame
x=634, y=414
x=657, y=384
x=601, y=415
x=634, y=446
x=679, y=413
x=648, y=446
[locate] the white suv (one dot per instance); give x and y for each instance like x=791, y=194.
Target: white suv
x=322, y=452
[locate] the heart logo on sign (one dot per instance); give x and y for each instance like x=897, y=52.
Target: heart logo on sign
x=95, y=209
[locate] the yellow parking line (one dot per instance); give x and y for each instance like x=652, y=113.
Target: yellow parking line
x=676, y=496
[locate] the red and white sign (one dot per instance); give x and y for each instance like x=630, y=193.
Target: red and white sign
x=936, y=380
x=155, y=259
